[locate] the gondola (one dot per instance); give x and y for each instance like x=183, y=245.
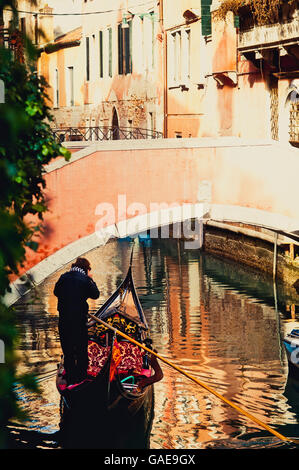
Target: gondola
x=110, y=409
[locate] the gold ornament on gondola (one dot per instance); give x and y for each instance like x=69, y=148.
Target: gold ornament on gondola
x=116, y=321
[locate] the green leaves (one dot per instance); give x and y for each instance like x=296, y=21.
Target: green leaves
x=26, y=146
x=32, y=108
x=65, y=153
x=26, y=140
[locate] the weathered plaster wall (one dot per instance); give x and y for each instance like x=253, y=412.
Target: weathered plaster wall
x=239, y=182
x=135, y=95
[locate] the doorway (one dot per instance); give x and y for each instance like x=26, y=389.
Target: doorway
x=115, y=125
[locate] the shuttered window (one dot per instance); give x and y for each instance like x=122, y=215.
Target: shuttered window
x=120, y=50
x=70, y=87
x=23, y=26
x=153, y=38
x=56, y=89
x=128, y=48
x=177, y=55
x=125, y=49
x=101, y=64
x=110, y=51
x=87, y=60
x=206, y=25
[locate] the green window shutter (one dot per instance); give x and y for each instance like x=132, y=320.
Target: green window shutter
x=206, y=25
x=87, y=60
x=236, y=21
x=127, y=48
x=130, y=48
x=101, y=53
x=120, y=50
x=110, y=51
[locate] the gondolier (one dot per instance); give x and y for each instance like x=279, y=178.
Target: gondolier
x=73, y=289
x=119, y=391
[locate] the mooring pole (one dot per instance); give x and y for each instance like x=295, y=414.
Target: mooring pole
x=275, y=256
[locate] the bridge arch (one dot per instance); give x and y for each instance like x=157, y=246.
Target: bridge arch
x=156, y=223
x=228, y=180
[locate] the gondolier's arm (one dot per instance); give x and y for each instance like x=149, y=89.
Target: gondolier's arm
x=158, y=375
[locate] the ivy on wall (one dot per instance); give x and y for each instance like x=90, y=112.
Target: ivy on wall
x=262, y=11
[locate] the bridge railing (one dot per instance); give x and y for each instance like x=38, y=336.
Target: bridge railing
x=73, y=134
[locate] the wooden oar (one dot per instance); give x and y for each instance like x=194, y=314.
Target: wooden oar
x=194, y=379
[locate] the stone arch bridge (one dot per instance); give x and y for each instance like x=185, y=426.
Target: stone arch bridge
x=116, y=188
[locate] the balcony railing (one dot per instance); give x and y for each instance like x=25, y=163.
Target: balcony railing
x=76, y=134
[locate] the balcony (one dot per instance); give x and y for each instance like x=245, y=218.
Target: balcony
x=281, y=31
x=273, y=47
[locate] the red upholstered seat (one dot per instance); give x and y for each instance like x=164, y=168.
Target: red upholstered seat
x=131, y=358
x=97, y=356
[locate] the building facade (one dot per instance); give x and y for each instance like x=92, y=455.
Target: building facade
x=271, y=51
x=229, y=76
x=172, y=66
x=107, y=72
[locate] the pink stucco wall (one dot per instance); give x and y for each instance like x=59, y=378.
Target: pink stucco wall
x=244, y=176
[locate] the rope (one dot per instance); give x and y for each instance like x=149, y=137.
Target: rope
x=203, y=385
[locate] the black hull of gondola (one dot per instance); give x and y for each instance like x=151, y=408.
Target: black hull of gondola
x=93, y=418
x=109, y=415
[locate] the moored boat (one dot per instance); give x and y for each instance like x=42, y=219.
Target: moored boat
x=291, y=343
x=114, y=406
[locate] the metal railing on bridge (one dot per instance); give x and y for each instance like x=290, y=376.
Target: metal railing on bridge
x=76, y=134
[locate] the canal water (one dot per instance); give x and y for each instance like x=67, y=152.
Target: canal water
x=219, y=321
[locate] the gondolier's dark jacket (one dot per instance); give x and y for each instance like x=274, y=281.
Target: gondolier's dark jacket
x=73, y=289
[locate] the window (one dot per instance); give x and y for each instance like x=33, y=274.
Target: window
x=128, y=48
x=176, y=55
x=87, y=60
x=151, y=124
x=56, y=89
x=101, y=49
x=23, y=26
x=120, y=50
x=35, y=29
x=148, y=42
x=153, y=38
x=110, y=51
x=186, y=55
x=179, y=63
x=93, y=57
x=70, y=87
x=125, y=49
x=143, y=51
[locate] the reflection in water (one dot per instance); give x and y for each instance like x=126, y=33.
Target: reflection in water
x=214, y=319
